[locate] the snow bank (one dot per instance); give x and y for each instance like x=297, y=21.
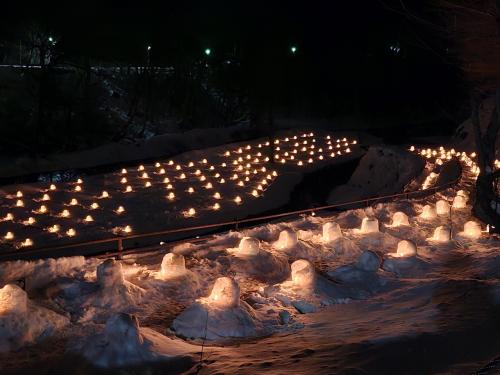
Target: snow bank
x=21, y=322
x=123, y=343
x=221, y=315
x=383, y=170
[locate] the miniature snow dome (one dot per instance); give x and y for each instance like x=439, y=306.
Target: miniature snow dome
x=369, y=225
x=472, y=229
x=303, y=273
x=406, y=249
x=13, y=300
x=442, y=207
x=110, y=273
x=173, y=264
x=463, y=193
x=369, y=261
x=459, y=202
x=249, y=246
x=225, y=292
x=287, y=239
x=331, y=231
x=441, y=234
x=400, y=218
x=123, y=328
x=428, y=212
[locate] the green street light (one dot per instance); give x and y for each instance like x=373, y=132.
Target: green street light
x=51, y=39
x=293, y=49
x=208, y=51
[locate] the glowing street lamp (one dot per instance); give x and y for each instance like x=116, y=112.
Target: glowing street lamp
x=208, y=51
x=293, y=49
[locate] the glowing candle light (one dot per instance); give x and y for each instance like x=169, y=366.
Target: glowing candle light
x=166, y=180
x=127, y=229
x=78, y=188
x=54, y=228
x=147, y=184
x=104, y=194
x=169, y=187
x=300, y=163
x=178, y=167
x=255, y=193
x=120, y=210
x=266, y=159
x=237, y=200
x=19, y=194
x=145, y=175
x=94, y=206
x=208, y=186
x=347, y=150
x=170, y=162
x=310, y=160
x=30, y=221
x=190, y=190
x=65, y=213
x=27, y=242
x=204, y=161
x=128, y=189
x=71, y=232
x=79, y=181
x=171, y=196
x=182, y=176
x=19, y=203
x=141, y=168
x=45, y=197
x=223, y=165
x=203, y=178
x=9, y=236
x=42, y=209
x=222, y=181
x=260, y=188
x=320, y=157
x=124, y=171
x=216, y=206
x=240, y=167
x=227, y=153
x=240, y=183
x=9, y=216
x=217, y=195
x=123, y=180
x=274, y=173
x=157, y=165
x=190, y=213
x=211, y=168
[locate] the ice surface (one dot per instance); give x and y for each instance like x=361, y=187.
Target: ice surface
x=428, y=212
x=442, y=207
x=441, y=234
x=331, y=232
x=400, y=218
x=369, y=225
x=249, y=246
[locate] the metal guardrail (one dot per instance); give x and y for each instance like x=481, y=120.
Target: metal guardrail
x=119, y=240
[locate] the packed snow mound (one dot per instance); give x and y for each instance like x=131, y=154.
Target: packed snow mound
x=287, y=239
x=264, y=267
x=221, y=315
x=405, y=248
x=406, y=266
x=369, y=261
x=303, y=273
x=331, y=232
x=442, y=207
x=383, y=170
x=41, y=272
x=459, y=202
x=22, y=323
x=441, y=234
x=472, y=229
x=399, y=218
x=463, y=193
x=110, y=274
x=369, y=225
x=249, y=246
x=173, y=265
x=123, y=344
x=428, y=212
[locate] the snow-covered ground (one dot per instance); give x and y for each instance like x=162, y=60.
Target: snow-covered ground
x=373, y=290
x=211, y=185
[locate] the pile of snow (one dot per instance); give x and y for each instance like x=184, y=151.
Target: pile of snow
x=442, y=207
x=221, y=315
x=287, y=239
x=123, y=344
x=249, y=246
x=472, y=229
x=331, y=232
x=428, y=212
x=22, y=323
x=369, y=262
x=399, y=218
x=173, y=265
x=369, y=225
x=441, y=234
x=405, y=248
x=383, y=170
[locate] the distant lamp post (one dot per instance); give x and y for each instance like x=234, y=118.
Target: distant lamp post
x=208, y=51
x=51, y=39
x=149, y=48
x=293, y=50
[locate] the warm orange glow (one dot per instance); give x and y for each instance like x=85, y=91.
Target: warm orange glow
x=71, y=232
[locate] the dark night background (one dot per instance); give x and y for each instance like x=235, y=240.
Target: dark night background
x=358, y=65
